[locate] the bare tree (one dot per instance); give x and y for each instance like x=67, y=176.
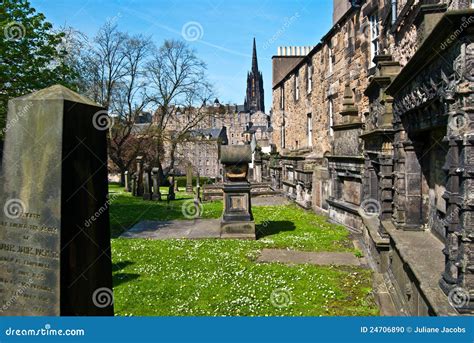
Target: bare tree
x=180, y=90
x=111, y=70
x=128, y=102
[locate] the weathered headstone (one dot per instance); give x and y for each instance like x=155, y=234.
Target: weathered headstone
x=155, y=175
x=127, y=181
x=147, y=191
x=237, y=219
x=134, y=184
x=198, y=188
x=139, y=176
x=54, y=224
x=171, y=193
x=189, y=178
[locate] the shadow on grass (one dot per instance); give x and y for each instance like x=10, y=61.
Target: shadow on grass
x=272, y=228
x=120, y=278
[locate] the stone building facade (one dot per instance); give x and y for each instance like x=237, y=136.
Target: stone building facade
x=374, y=127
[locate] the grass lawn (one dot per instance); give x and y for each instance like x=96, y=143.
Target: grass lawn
x=220, y=277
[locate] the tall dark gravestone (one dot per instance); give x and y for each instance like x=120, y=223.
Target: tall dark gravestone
x=54, y=221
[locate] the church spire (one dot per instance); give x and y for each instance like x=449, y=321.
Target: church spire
x=254, y=57
x=254, y=99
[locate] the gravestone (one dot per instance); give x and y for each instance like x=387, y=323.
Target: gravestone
x=139, y=160
x=198, y=188
x=134, y=184
x=155, y=175
x=54, y=226
x=147, y=192
x=189, y=178
x=127, y=181
x=171, y=193
x=237, y=219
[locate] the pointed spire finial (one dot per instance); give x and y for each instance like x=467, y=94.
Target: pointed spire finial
x=254, y=57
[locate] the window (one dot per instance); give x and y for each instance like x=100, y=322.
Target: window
x=297, y=85
x=282, y=97
x=331, y=118
x=309, y=77
x=374, y=37
x=309, y=129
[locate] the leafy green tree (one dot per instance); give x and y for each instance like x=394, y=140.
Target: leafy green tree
x=31, y=54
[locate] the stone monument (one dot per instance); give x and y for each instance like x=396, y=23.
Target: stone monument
x=189, y=178
x=237, y=219
x=134, y=184
x=171, y=180
x=54, y=224
x=147, y=191
x=127, y=181
x=139, y=160
x=155, y=175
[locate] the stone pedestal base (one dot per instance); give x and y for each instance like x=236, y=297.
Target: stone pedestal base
x=237, y=220
x=238, y=230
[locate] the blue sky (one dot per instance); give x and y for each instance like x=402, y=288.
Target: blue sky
x=224, y=30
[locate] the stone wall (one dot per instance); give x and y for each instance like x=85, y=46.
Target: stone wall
x=395, y=174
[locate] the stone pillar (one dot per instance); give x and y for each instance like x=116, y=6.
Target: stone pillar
x=198, y=188
x=237, y=219
x=189, y=178
x=127, y=181
x=147, y=191
x=257, y=176
x=55, y=227
x=457, y=280
x=134, y=184
x=171, y=193
x=139, y=176
x=155, y=174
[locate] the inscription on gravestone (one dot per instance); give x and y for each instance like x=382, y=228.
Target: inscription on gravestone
x=54, y=221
